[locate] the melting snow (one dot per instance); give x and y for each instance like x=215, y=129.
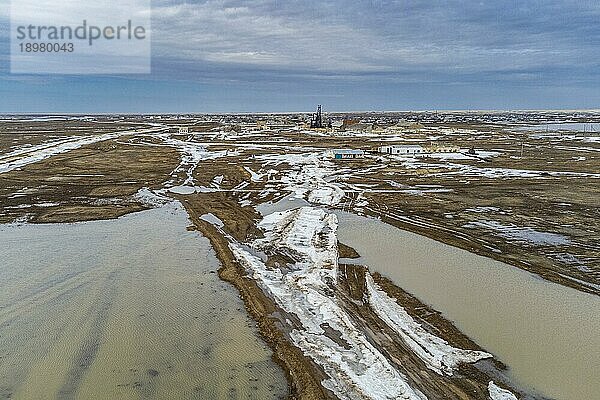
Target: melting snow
x=310, y=174
x=191, y=154
x=436, y=352
x=150, y=198
x=592, y=139
x=217, y=180
x=359, y=371
x=522, y=234
x=356, y=369
x=330, y=195
x=482, y=209
x=212, y=219
x=497, y=393
x=254, y=177
x=185, y=189
x=31, y=154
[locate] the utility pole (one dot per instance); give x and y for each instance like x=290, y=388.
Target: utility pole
x=522, y=145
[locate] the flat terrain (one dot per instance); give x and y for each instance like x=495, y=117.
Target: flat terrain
x=526, y=197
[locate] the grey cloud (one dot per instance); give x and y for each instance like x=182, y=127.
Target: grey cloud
x=348, y=37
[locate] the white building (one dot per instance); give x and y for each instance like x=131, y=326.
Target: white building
x=183, y=129
x=443, y=149
x=416, y=150
x=406, y=150
x=345, y=154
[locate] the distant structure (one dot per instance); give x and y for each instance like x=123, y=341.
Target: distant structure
x=345, y=154
x=317, y=119
x=183, y=129
x=417, y=150
x=402, y=149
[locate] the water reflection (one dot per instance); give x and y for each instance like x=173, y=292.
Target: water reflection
x=548, y=334
x=131, y=308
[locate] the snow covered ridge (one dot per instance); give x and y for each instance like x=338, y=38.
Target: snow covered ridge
x=356, y=368
x=497, y=393
x=436, y=352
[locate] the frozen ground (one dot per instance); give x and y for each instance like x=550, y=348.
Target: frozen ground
x=524, y=199
x=27, y=155
x=306, y=290
x=521, y=234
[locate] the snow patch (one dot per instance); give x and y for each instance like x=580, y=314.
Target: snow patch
x=497, y=393
x=28, y=155
x=218, y=180
x=212, y=219
x=254, y=177
x=329, y=195
x=437, y=354
x=521, y=234
x=149, y=198
x=355, y=370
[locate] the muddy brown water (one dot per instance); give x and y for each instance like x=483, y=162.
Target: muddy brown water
x=548, y=334
x=129, y=308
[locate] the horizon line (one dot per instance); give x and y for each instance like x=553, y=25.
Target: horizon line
x=58, y=114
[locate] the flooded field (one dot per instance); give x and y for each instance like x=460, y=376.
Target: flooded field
x=129, y=308
x=134, y=307
x=546, y=333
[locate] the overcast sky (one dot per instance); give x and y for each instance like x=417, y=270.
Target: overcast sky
x=269, y=55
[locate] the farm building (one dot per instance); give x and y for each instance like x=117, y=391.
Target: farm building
x=183, y=129
x=345, y=154
x=442, y=149
x=416, y=150
x=402, y=149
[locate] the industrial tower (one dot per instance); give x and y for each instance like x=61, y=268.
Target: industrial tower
x=317, y=119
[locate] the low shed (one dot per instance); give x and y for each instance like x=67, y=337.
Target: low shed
x=402, y=149
x=345, y=154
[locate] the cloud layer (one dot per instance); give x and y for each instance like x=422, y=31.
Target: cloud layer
x=393, y=38
x=394, y=54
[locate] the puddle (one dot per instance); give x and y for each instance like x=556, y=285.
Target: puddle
x=129, y=308
x=546, y=333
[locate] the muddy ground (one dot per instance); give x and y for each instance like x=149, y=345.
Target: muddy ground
x=443, y=199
